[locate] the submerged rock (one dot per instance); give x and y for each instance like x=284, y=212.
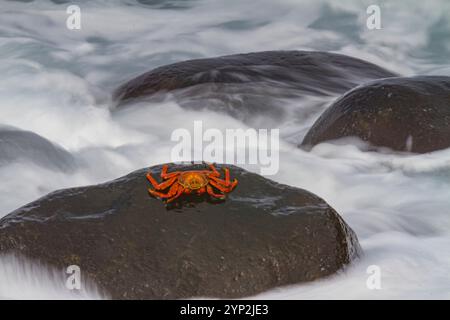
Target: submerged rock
x=17, y=145
x=403, y=114
x=262, y=236
x=247, y=85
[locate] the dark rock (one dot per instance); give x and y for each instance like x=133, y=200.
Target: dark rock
x=264, y=235
x=245, y=85
x=403, y=114
x=17, y=145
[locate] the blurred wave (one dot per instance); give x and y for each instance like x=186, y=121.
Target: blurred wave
x=21, y=278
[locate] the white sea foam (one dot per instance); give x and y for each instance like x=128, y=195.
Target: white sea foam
x=21, y=278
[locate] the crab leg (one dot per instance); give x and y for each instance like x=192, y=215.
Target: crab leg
x=224, y=183
x=227, y=175
x=179, y=193
x=169, y=194
x=219, y=181
x=166, y=175
x=227, y=179
x=224, y=189
x=213, y=194
x=216, y=173
x=162, y=185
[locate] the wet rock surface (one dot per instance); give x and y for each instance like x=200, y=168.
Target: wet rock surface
x=245, y=85
x=262, y=236
x=403, y=114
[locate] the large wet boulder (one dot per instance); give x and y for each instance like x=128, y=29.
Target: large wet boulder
x=247, y=85
x=403, y=114
x=262, y=236
x=18, y=145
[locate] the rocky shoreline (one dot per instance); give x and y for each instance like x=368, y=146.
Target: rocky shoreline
x=264, y=235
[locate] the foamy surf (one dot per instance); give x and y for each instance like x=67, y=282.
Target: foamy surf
x=26, y=279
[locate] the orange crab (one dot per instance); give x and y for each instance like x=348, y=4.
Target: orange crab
x=191, y=182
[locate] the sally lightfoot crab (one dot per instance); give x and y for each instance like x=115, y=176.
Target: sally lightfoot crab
x=191, y=182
